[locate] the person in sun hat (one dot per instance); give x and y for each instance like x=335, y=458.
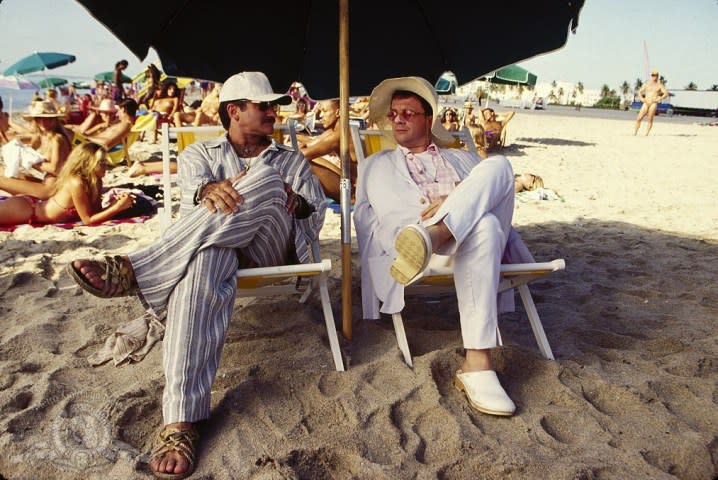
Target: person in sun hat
x=101, y=116
x=33, y=161
x=421, y=202
x=246, y=201
x=119, y=128
x=651, y=94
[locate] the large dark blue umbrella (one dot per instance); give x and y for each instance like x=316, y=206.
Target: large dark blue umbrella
x=38, y=62
x=308, y=41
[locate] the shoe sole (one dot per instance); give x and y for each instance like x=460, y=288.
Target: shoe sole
x=460, y=387
x=412, y=255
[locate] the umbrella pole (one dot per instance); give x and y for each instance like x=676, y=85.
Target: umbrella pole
x=345, y=191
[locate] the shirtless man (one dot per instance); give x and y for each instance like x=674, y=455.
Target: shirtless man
x=490, y=125
x=206, y=114
x=651, y=94
x=117, y=131
x=323, y=151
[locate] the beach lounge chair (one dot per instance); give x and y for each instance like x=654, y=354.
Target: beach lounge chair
x=436, y=280
x=117, y=153
x=299, y=279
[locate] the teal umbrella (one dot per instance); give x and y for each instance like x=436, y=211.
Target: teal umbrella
x=52, y=82
x=109, y=77
x=38, y=62
x=82, y=85
x=511, y=75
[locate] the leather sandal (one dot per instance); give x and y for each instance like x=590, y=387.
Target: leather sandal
x=180, y=440
x=119, y=280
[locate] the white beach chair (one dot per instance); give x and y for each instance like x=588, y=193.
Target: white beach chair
x=439, y=280
x=263, y=281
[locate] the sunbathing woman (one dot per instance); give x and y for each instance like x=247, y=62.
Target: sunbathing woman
x=168, y=101
x=527, y=182
x=75, y=195
x=51, y=141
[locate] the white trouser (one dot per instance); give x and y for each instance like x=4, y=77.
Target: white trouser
x=190, y=272
x=478, y=213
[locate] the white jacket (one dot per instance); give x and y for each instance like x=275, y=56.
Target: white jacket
x=396, y=201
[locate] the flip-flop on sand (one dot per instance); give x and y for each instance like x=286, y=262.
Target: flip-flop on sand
x=119, y=281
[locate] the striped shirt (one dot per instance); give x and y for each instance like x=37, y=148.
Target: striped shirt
x=216, y=160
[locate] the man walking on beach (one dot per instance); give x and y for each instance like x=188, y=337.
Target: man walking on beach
x=246, y=201
x=651, y=94
x=420, y=199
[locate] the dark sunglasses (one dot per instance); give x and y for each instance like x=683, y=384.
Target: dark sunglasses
x=263, y=106
x=406, y=114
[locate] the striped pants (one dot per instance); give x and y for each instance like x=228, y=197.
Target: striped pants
x=190, y=273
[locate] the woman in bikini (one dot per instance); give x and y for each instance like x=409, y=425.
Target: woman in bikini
x=52, y=142
x=75, y=195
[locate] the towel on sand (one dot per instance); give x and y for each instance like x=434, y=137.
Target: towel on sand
x=131, y=342
x=537, y=195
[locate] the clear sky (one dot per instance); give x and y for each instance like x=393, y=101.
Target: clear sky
x=681, y=38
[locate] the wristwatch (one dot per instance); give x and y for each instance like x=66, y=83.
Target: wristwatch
x=200, y=190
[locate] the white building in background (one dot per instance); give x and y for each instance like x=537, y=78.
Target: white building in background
x=564, y=93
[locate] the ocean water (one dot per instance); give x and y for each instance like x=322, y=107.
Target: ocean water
x=18, y=99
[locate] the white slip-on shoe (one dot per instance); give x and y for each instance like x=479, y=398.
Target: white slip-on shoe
x=413, y=247
x=484, y=392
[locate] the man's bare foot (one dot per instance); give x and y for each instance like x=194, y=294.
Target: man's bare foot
x=174, y=453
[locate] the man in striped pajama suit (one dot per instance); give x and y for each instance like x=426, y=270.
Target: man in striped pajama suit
x=246, y=201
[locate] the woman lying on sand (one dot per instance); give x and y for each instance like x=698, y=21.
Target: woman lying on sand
x=75, y=195
x=527, y=182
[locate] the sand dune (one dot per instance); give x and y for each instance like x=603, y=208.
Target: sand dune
x=633, y=392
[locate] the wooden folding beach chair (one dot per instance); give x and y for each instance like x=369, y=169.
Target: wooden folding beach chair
x=297, y=279
x=439, y=280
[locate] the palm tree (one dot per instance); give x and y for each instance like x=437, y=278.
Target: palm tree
x=560, y=95
x=580, y=87
x=605, y=91
x=663, y=80
x=553, y=84
x=625, y=88
x=638, y=85
x=692, y=86
x=714, y=87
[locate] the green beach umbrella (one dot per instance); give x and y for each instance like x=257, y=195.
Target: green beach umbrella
x=108, y=77
x=38, y=62
x=81, y=85
x=52, y=82
x=512, y=75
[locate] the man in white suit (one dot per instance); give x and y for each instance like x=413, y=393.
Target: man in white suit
x=421, y=200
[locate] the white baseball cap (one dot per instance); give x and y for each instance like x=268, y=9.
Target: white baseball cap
x=252, y=86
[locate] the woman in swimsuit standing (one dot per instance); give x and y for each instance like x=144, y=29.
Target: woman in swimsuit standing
x=75, y=195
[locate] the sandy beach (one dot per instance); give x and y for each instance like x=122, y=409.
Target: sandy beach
x=633, y=392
